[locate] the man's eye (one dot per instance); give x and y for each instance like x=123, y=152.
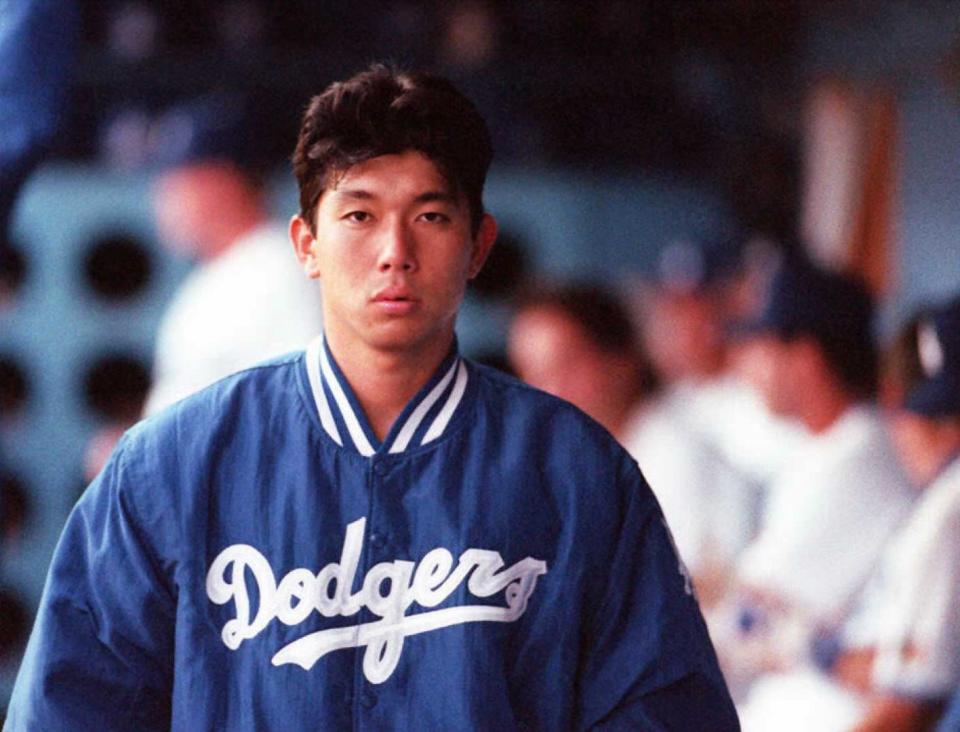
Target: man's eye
x=434, y=217
x=358, y=217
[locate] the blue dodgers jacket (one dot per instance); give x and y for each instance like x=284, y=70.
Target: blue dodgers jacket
x=254, y=559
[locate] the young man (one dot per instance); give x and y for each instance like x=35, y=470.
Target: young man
x=375, y=534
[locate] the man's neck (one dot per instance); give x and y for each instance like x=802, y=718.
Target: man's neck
x=821, y=413
x=384, y=381
x=224, y=237
x=942, y=449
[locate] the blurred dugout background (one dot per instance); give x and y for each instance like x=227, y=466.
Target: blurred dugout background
x=619, y=127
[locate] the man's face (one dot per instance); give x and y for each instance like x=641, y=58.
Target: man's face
x=683, y=335
x=193, y=205
x=923, y=444
x=548, y=350
x=776, y=369
x=393, y=251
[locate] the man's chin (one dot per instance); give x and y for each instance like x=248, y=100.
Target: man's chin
x=405, y=334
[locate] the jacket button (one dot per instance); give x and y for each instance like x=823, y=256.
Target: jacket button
x=379, y=468
x=378, y=540
x=368, y=699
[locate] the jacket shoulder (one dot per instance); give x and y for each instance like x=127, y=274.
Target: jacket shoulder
x=534, y=415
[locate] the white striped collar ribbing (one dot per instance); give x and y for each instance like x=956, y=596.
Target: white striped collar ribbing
x=320, y=372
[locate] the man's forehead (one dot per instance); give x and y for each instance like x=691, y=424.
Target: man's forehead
x=410, y=169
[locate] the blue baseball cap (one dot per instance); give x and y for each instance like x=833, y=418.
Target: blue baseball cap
x=694, y=264
x=804, y=299
x=213, y=127
x=938, y=346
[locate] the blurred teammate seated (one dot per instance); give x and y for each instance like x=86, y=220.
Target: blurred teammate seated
x=578, y=343
x=835, y=504
x=702, y=285
x=895, y=662
x=247, y=300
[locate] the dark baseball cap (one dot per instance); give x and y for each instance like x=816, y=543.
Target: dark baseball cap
x=213, y=127
x=802, y=298
x=695, y=264
x=938, y=346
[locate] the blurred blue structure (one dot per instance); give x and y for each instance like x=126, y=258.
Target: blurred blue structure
x=38, y=45
x=57, y=325
x=54, y=328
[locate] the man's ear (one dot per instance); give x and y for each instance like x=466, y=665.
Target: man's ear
x=305, y=246
x=482, y=244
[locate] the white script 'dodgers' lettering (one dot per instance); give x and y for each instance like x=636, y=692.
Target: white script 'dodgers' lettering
x=327, y=592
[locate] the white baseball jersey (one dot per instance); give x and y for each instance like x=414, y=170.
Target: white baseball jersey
x=828, y=518
x=706, y=501
x=909, y=614
x=912, y=608
x=250, y=303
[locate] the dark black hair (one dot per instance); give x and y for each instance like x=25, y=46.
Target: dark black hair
x=851, y=356
x=833, y=309
x=382, y=111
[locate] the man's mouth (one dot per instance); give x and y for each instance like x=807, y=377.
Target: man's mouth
x=395, y=300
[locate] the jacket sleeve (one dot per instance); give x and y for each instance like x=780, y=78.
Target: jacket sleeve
x=647, y=661
x=101, y=651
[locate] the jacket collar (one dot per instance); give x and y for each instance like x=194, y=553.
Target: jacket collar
x=425, y=418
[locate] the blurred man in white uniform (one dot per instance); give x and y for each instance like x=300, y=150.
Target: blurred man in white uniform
x=897, y=659
x=734, y=445
x=246, y=301
x=703, y=285
x=815, y=362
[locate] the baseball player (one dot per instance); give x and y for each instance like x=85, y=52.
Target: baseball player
x=814, y=551
x=896, y=660
x=374, y=533
x=246, y=299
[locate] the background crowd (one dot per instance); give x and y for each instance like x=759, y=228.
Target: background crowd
x=760, y=296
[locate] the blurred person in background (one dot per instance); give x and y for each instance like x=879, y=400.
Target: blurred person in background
x=896, y=660
x=702, y=285
x=246, y=300
x=815, y=362
x=578, y=343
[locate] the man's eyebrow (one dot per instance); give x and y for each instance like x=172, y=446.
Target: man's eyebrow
x=441, y=196
x=355, y=193
x=359, y=194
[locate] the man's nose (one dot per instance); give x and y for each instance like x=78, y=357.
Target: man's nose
x=398, y=250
